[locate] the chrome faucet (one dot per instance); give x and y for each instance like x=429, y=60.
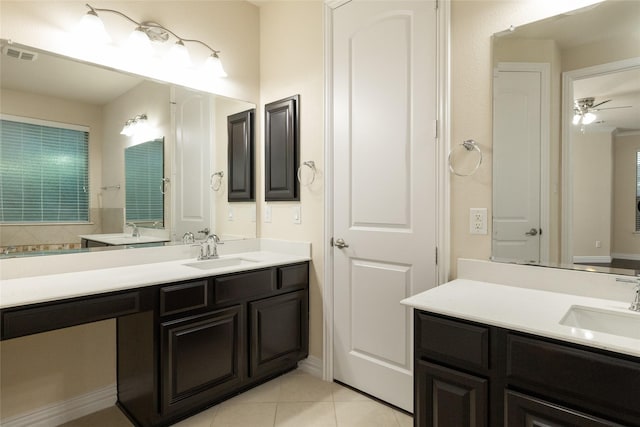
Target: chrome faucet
x=212, y=245
x=635, y=304
x=134, y=229
x=209, y=247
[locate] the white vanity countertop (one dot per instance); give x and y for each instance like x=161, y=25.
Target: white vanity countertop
x=522, y=309
x=52, y=287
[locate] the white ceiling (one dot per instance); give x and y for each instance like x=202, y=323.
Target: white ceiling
x=63, y=78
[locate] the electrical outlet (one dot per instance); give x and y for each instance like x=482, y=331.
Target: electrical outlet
x=478, y=220
x=230, y=214
x=598, y=244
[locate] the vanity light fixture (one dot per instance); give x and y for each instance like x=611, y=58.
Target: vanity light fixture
x=136, y=125
x=92, y=27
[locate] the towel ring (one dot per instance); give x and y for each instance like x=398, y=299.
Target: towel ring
x=163, y=185
x=468, y=145
x=311, y=165
x=215, y=182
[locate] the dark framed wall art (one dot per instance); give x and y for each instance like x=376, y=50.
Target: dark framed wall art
x=241, y=156
x=282, y=149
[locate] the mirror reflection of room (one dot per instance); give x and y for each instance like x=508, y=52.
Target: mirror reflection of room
x=563, y=102
x=103, y=102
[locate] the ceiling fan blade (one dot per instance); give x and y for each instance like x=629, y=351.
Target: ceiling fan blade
x=600, y=103
x=609, y=108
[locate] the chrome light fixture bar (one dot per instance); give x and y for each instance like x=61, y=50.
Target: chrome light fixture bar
x=148, y=31
x=135, y=125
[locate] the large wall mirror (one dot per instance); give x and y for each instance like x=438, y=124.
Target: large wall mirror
x=187, y=126
x=566, y=138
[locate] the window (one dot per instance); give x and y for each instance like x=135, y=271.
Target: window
x=638, y=191
x=43, y=171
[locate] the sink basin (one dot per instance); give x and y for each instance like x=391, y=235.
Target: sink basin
x=607, y=321
x=220, y=262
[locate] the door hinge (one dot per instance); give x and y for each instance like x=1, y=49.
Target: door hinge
x=436, y=255
x=331, y=242
x=435, y=128
x=437, y=4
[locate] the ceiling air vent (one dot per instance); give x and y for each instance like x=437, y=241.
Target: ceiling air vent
x=18, y=53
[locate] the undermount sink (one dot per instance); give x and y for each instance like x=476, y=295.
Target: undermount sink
x=607, y=321
x=220, y=262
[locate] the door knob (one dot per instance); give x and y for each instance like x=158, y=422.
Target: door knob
x=339, y=243
x=532, y=232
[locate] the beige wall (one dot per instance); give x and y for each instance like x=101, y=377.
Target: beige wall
x=626, y=240
x=592, y=188
x=291, y=62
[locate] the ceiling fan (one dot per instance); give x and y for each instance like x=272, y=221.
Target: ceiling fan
x=584, y=109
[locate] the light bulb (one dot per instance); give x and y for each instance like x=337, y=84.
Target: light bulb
x=588, y=118
x=576, y=118
x=128, y=128
x=91, y=29
x=213, y=66
x=179, y=55
x=138, y=43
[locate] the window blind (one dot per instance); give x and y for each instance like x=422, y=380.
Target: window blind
x=43, y=173
x=144, y=170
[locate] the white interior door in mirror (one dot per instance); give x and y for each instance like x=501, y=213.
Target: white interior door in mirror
x=520, y=135
x=192, y=162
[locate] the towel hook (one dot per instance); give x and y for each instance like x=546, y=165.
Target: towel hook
x=468, y=145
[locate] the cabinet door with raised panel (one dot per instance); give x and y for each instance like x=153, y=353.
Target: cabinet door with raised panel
x=202, y=357
x=448, y=398
x=279, y=332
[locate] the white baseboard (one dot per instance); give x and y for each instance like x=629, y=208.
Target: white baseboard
x=311, y=365
x=634, y=257
x=68, y=410
x=595, y=259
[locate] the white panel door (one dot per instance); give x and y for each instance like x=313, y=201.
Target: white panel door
x=516, y=165
x=193, y=161
x=384, y=93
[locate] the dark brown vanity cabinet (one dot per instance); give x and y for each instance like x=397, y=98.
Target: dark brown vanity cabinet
x=209, y=339
x=468, y=373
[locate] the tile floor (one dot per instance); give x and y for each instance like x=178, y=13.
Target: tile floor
x=296, y=399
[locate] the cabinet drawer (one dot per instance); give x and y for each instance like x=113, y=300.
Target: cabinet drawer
x=26, y=321
x=456, y=343
x=523, y=410
x=243, y=286
x=183, y=297
x=595, y=382
x=293, y=276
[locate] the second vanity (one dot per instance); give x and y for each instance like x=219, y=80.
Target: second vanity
x=489, y=354
x=189, y=333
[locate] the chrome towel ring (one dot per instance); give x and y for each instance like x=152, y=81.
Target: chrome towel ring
x=311, y=165
x=468, y=145
x=215, y=182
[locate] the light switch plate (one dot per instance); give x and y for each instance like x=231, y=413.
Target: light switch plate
x=230, y=214
x=478, y=220
x=267, y=213
x=296, y=213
